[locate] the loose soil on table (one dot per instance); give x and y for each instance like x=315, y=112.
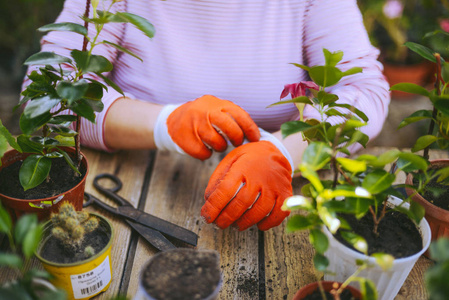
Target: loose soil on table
x=398, y=235
x=180, y=275
x=316, y=295
x=53, y=250
x=62, y=179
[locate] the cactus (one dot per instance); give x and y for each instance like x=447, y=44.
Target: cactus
x=70, y=227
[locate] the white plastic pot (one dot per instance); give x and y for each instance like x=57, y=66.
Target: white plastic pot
x=342, y=262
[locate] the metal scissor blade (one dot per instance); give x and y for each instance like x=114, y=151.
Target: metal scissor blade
x=161, y=225
x=154, y=237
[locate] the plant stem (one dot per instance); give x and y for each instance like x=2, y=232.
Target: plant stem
x=78, y=117
x=438, y=80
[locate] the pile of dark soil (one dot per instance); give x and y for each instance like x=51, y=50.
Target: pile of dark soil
x=182, y=274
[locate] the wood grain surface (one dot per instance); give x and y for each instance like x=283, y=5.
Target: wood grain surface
x=255, y=265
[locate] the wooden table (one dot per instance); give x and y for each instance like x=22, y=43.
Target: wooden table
x=255, y=264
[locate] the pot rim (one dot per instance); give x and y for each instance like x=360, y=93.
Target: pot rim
x=431, y=209
x=48, y=224
x=423, y=228
x=314, y=285
x=56, y=196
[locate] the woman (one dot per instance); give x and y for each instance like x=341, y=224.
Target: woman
x=207, y=51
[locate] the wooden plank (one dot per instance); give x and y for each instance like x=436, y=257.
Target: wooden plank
x=176, y=194
x=130, y=167
x=288, y=258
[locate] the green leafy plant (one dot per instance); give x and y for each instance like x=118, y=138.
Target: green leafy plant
x=70, y=227
x=438, y=118
x=435, y=277
x=61, y=83
x=24, y=237
x=359, y=186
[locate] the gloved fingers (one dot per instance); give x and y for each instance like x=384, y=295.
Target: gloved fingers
x=224, y=192
x=260, y=209
x=242, y=201
x=193, y=146
x=211, y=137
x=276, y=216
x=219, y=174
x=226, y=124
x=244, y=121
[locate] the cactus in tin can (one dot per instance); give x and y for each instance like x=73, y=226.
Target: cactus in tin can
x=70, y=227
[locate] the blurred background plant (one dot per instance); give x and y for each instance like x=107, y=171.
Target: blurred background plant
x=391, y=23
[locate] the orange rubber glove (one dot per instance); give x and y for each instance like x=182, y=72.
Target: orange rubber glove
x=249, y=187
x=205, y=124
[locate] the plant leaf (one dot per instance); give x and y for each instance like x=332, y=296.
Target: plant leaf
x=67, y=26
x=10, y=260
x=141, y=23
x=72, y=91
x=320, y=262
x=30, y=125
x=123, y=49
x=31, y=241
x=25, y=223
x=91, y=63
x=293, y=127
x=35, y=168
x=378, y=181
x=46, y=58
x=317, y=155
x=423, y=51
x=40, y=106
x=415, y=117
x=424, y=141
x=319, y=240
x=5, y=220
x=410, y=88
x=9, y=138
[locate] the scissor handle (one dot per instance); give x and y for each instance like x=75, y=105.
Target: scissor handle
x=89, y=200
x=115, y=179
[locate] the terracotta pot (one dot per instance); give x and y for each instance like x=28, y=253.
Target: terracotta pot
x=416, y=73
x=44, y=206
x=327, y=285
x=438, y=218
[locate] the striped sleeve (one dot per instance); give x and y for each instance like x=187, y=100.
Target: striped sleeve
x=368, y=91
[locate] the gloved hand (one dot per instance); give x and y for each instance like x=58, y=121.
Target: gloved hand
x=249, y=187
x=198, y=127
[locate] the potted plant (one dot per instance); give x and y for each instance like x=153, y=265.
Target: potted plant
x=76, y=249
x=23, y=237
x=433, y=198
x=435, y=275
x=48, y=145
x=358, y=192
x=390, y=23
x=181, y=273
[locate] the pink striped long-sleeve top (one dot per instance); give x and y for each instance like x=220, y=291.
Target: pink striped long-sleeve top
x=236, y=50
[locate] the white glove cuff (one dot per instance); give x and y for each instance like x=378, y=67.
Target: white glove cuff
x=266, y=136
x=162, y=139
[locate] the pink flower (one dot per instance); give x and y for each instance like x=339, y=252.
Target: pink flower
x=445, y=24
x=393, y=9
x=298, y=89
